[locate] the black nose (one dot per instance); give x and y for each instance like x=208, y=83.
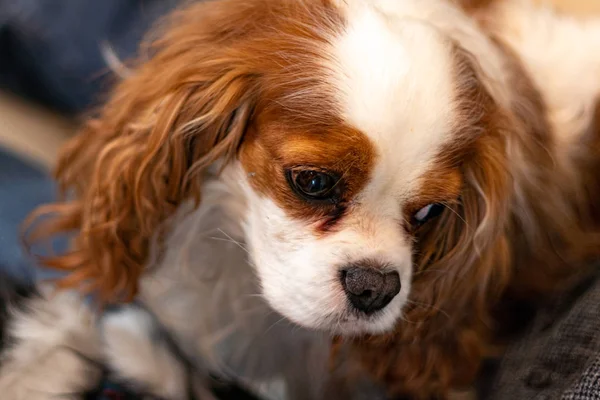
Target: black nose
x=369, y=289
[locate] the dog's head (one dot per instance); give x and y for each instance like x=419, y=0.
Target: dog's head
x=370, y=149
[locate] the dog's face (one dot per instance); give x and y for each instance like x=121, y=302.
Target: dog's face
x=339, y=177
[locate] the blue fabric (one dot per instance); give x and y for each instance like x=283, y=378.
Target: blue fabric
x=23, y=186
x=51, y=50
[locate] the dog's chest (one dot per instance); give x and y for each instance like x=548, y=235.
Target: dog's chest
x=223, y=324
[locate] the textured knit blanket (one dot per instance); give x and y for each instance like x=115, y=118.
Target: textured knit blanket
x=559, y=355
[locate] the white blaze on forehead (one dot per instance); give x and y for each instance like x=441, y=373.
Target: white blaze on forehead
x=395, y=80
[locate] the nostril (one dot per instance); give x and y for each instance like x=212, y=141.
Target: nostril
x=392, y=283
x=366, y=297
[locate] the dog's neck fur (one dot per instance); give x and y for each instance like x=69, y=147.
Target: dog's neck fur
x=204, y=290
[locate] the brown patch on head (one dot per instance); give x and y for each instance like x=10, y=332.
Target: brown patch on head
x=296, y=123
x=273, y=148
x=441, y=185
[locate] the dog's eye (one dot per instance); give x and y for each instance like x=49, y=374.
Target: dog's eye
x=314, y=184
x=428, y=212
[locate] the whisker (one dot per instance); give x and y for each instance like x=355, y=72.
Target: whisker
x=417, y=303
x=260, y=295
x=456, y=213
x=229, y=239
x=403, y=318
x=272, y=325
x=421, y=272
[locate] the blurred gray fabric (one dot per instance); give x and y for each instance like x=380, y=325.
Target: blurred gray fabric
x=559, y=355
x=23, y=186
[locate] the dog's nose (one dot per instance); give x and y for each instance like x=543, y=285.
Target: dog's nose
x=368, y=289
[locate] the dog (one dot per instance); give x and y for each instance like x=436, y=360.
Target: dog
x=276, y=173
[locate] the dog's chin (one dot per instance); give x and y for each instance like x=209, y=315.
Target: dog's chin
x=348, y=323
x=352, y=324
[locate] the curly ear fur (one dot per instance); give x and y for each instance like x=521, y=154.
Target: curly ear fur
x=146, y=152
x=523, y=229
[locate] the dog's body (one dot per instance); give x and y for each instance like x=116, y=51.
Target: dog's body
x=215, y=274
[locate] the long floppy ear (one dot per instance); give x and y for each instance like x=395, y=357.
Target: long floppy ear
x=147, y=150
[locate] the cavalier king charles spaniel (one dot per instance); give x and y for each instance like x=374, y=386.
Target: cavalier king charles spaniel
x=320, y=198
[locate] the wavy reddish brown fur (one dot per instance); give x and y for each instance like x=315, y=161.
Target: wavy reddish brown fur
x=520, y=234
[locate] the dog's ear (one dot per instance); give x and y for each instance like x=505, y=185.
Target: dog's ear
x=147, y=150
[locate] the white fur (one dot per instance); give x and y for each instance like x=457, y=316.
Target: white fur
x=135, y=355
x=561, y=54
x=397, y=93
x=451, y=22
x=55, y=337
x=301, y=278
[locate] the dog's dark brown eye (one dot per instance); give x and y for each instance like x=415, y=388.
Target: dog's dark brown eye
x=315, y=185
